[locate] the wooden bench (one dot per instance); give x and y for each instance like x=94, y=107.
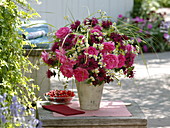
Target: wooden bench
x=137, y=120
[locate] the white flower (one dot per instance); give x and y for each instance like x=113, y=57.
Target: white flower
x=92, y=78
x=100, y=46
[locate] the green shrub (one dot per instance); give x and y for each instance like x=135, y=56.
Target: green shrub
x=13, y=63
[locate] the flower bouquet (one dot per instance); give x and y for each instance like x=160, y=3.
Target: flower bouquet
x=93, y=51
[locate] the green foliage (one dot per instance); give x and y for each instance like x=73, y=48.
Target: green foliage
x=142, y=8
x=148, y=30
x=13, y=63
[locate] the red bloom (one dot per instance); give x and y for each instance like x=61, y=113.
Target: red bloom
x=129, y=59
x=106, y=24
x=69, y=42
x=55, y=46
x=75, y=25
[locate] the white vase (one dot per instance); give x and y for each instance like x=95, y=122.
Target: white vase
x=89, y=95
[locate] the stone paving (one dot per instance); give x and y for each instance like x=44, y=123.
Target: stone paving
x=150, y=88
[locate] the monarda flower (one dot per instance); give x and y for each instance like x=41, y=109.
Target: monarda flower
x=69, y=42
x=55, y=46
x=129, y=59
x=93, y=22
x=96, y=36
x=75, y=25
x=106, y=24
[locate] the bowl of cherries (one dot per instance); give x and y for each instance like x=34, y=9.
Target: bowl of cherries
x=59, y=96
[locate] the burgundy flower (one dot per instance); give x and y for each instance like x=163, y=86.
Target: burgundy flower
x=75, y=25
x=121, y=59
x=87, y=63
x=55, y=46
x=69, y=42
x=93, y=22
x=81, y=61
x=91, y=64
x=50, y=73
x=106, y=24
x=129, y=72
x=51, y=61
x=116, y=37
x=101, y=74
x=96, y=36
x=129, y=59
x=108, y=79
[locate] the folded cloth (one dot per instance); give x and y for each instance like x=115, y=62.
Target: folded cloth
x=62, y=109
x=34, y=35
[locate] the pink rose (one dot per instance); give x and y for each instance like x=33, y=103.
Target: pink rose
x=92, y=51
x=81, y=74
x=44, y=56
x=121, y=59
x=60, y=56
x=66, y=70
x=108, y=46
x=62, y=32
x=111, y=61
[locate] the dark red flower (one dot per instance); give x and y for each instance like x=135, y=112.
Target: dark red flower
x=101, y=74
x=116, y=37
x=55, y=46
x=50, y=73
x=69, y=42
x=96, y=38
x=129, y=59
x=75, y=25
x=106, y=24
x=93, y=22
x=87, y=63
